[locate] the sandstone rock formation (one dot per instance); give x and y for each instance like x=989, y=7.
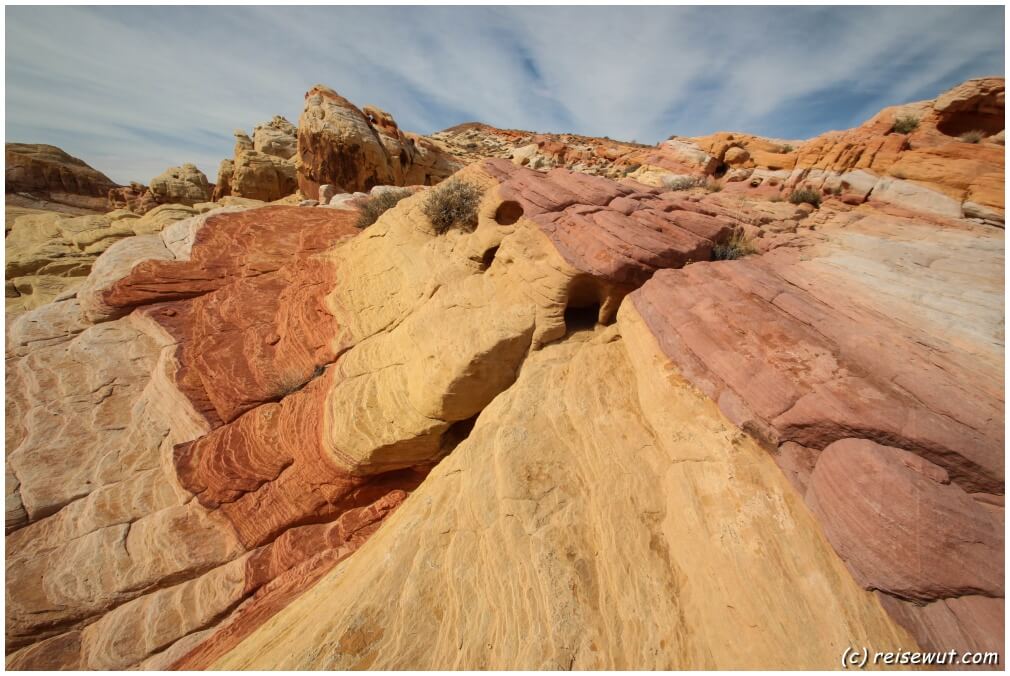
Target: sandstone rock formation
x=929, y=170
x=263, y=167
x=181, y=185
x=135, y=198
x=185, y=185
x=355, y=150
x=262, y=438
x=44, y=173
x=49, y=254
x=597, y=156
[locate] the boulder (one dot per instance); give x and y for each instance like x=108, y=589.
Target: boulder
x=181, y=185
x=353, y=150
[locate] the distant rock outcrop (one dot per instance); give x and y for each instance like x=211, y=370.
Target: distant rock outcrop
x=263, y=167
x=46, y=173
x=181, y=185
x=355, y=150
x=185, y=185
x=947, y=162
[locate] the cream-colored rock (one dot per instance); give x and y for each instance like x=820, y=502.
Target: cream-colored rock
x=181, y=185
x=149, y=624
x=618, y=523
x=916, y=197
x=278, y=138
x=49, y=254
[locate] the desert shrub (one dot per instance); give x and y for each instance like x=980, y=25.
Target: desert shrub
x=631, y=168
x=714, y=186
x=786, y=148
x=738, y=246
x=453, y=202
x=973, y=136
x=905, y=124
x=674, y=183
x=380, y=204
x=801, y=195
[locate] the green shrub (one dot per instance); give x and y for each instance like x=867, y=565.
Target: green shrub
x=453, y=202
x=380, y=204
x=973, y=136
x=905, y=124
x=675, y=183
x=786, y=148
x=801, y=195
x=737, y=247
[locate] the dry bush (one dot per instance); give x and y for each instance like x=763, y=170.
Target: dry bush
x=453, y=202
x=675, y=183
x=801, y=195
x=973, y=136
x=380, y=204
x=905, y=124
x=737, y=247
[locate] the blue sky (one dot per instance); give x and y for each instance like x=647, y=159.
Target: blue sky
x=133, y=91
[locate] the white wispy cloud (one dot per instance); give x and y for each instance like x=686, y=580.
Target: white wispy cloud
x=135, y=90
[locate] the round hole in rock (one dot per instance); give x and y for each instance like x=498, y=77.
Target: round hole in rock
x=581, y=318
x=508, y=212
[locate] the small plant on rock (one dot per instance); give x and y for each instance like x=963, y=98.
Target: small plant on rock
x=675, y=183
x=714, y=186
x=973, y=136
x=905, y=124
x=738, y=246
x=786, y=148
x=380, y=204
x=453, y=202
x=808, y=195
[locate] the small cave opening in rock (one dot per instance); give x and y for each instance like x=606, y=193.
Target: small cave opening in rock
x=508, y=212
x=457, y=434
x=720, y=170
x=488, y=257
x=580, y=318
x=957, y=123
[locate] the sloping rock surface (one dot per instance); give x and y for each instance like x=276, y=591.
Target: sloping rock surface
x=566, y=438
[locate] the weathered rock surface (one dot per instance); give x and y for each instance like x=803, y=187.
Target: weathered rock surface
x=928, y=170
x=49, y=254
x=569, y=507
x=181, y=185
x=45, y=173
x=354, y=150
x=263, y=167
x=247, y=414
x=185, y=185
